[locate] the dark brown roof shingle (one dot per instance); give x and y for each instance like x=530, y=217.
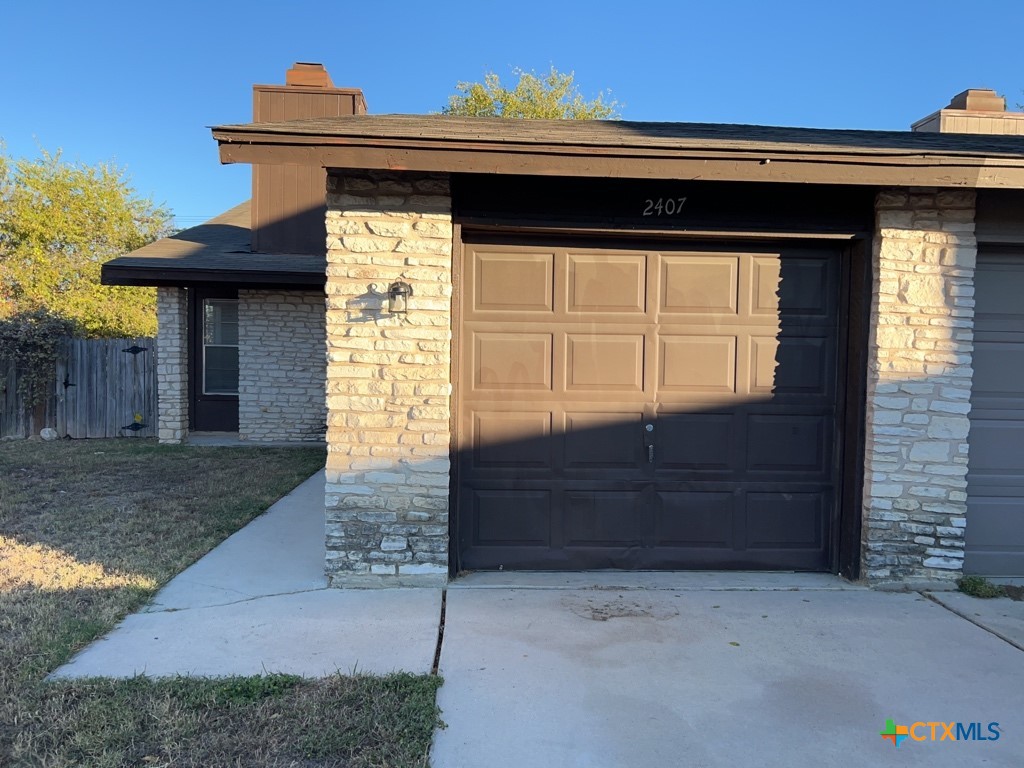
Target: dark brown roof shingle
x=215, y=251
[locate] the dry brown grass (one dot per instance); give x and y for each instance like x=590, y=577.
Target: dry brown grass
x=88, y=531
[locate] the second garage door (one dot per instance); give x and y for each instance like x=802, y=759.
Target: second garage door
x=634, y=407
x=995, y=482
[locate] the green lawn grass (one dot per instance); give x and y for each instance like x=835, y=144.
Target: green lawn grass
x=89, y=530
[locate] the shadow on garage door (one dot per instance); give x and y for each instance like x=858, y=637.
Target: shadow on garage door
x=623, y=406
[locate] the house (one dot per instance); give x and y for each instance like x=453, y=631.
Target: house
x=237, y=293
x=557, y=345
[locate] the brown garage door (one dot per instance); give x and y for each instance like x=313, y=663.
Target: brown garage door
x=627, y=407
x=995, y=481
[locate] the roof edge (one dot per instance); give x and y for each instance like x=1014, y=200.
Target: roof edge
x=166, y=276
x=621, y=149
x=750, y=165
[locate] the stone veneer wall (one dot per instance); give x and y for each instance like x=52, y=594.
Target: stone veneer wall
x=172, y=364
x=282, y=365
x=919, y=386
x=388, y=379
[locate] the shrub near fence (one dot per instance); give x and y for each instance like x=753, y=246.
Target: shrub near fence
x=101, y=388
x=17, y=419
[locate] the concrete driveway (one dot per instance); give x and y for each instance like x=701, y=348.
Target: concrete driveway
x=702, y=670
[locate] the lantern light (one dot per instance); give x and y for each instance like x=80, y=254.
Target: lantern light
x=398, y=297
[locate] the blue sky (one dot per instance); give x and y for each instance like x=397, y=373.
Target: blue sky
x=139, y=83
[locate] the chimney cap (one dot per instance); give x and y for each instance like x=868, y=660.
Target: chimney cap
x=978, y=100
x=310, y=74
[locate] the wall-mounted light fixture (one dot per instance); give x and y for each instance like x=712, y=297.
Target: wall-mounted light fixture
x=398, y=297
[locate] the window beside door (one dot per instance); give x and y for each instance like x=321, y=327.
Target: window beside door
x=220, y=347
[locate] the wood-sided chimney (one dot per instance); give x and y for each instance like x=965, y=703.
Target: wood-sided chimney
x=288, y=207
x=976, y=110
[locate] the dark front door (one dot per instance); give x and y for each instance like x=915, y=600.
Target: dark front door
x=214, y=357
x=662, y=407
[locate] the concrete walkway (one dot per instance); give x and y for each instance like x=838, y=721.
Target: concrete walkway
x=259, y=603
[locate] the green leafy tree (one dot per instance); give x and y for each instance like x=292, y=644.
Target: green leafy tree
x=553, y=96
x=59, y=222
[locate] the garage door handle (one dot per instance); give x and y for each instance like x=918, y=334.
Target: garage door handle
x=650, y=453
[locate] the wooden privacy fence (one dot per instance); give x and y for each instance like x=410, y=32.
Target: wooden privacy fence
x=101, y=388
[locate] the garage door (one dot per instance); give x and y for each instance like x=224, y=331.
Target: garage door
x=625, y=407
x=995, y=481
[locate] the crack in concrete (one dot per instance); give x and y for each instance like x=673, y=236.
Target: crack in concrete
x=237, y=602
x=973, y=621
x=193, y=584
x=440, y=633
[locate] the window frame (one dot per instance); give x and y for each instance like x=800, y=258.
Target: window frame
x=206, y=345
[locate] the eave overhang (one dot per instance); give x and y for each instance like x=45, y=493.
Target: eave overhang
x=170, y=274
x=630, y=150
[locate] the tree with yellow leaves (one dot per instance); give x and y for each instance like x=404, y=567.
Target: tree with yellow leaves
x=553, y=96
x=59, y=222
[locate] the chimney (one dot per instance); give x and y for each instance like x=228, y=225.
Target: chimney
x=308, y=73
x=976, y=110
x=288, y=206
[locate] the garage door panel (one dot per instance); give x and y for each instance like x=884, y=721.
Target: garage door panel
x=805, y=288
x=695, y=519
x=512, y=440
x=997, y=282
x=603, y=440
x=998, y=369
x=513, y=282
x=790, y=290
x=987, y=520
x=785, y=520
x=992, y=552
x=997, y=447
x=766, y=274
x=700, y=285
x=605, y=362
x=791, y=365
x=787, y=443
x=615, y=283
x=512, y=517
x=705, y=364
x=508, y=361
x=605, y=518
x=696, y=441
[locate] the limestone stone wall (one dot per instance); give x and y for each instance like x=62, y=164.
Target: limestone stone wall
x=388, y=379
x=172, y=364
x=919, y=385
x=281, y=365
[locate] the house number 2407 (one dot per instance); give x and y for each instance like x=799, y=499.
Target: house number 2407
x=664, y=206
